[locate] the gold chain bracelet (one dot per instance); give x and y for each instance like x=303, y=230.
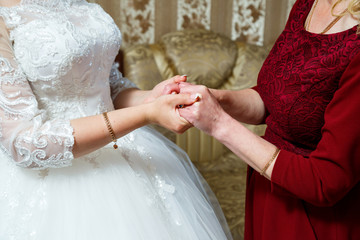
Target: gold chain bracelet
x=110, y=129
x=270, y=161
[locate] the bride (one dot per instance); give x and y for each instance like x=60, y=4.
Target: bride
x=77, y=162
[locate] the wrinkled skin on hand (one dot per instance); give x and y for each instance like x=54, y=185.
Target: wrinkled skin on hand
x=205, y=113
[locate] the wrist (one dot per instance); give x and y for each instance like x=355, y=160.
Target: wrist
x=146, y=97
x=221, y=97
x=149, y=114
x=220, y=128
x=217, y=94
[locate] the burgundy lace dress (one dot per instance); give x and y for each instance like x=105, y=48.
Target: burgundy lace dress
x=310, y=84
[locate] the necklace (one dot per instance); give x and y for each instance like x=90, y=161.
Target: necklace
x=328, y=27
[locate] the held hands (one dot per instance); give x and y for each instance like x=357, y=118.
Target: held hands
x=191, y=105
x=205, y=113
x=164, y=111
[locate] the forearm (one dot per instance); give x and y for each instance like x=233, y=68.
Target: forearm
x=130, y=97
x=244, y=105
x=91, y=133
x=251, y=148
x=326, y=175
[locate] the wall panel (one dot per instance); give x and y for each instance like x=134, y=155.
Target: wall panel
x=145, y=21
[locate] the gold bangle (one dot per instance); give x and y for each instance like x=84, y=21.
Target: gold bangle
x=110, y=129
x=270, y=161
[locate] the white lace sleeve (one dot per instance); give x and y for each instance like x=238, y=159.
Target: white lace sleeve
x=117, y=82
x=26, y=136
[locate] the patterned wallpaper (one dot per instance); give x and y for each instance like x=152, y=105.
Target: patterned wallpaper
x=137, y=21
x=248, y=21
x=145, y=21
x=193, y=14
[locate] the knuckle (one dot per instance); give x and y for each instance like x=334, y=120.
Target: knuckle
x=178, y=128
x=167, y=87
x=202, y=88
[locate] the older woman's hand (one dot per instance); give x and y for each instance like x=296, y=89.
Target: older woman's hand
x=206, y=112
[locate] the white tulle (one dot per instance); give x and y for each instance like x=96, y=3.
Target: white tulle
x=56, y=63
x=147, y=190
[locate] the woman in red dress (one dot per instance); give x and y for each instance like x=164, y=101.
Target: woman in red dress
x=303, y=176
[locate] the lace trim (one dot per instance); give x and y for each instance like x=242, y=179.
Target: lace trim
x=28, y=137
x=32, y=147
x=9, y=101
x=54, y=4
x=9, y=74
x=66, y=58
x=117, y=82
x=12, y=17
x=55, y=132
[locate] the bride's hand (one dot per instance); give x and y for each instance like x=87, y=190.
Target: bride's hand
x=165, y=87
x=205, y=113
x=164, y=111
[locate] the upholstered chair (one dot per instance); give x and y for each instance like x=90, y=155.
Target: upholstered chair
x=213, y=60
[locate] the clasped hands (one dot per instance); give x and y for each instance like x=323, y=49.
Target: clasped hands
x=182, y=105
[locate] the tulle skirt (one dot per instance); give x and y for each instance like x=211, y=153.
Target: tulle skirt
x=146, y=189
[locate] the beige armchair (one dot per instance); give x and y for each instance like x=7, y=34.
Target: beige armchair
x=215, y=61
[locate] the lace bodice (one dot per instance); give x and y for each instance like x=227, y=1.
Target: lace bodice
x=56, y=62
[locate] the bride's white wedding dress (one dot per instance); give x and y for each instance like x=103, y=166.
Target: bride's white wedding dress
x=56, y=68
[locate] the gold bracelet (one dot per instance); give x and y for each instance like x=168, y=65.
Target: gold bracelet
x=270, y=161
x=110, y=129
